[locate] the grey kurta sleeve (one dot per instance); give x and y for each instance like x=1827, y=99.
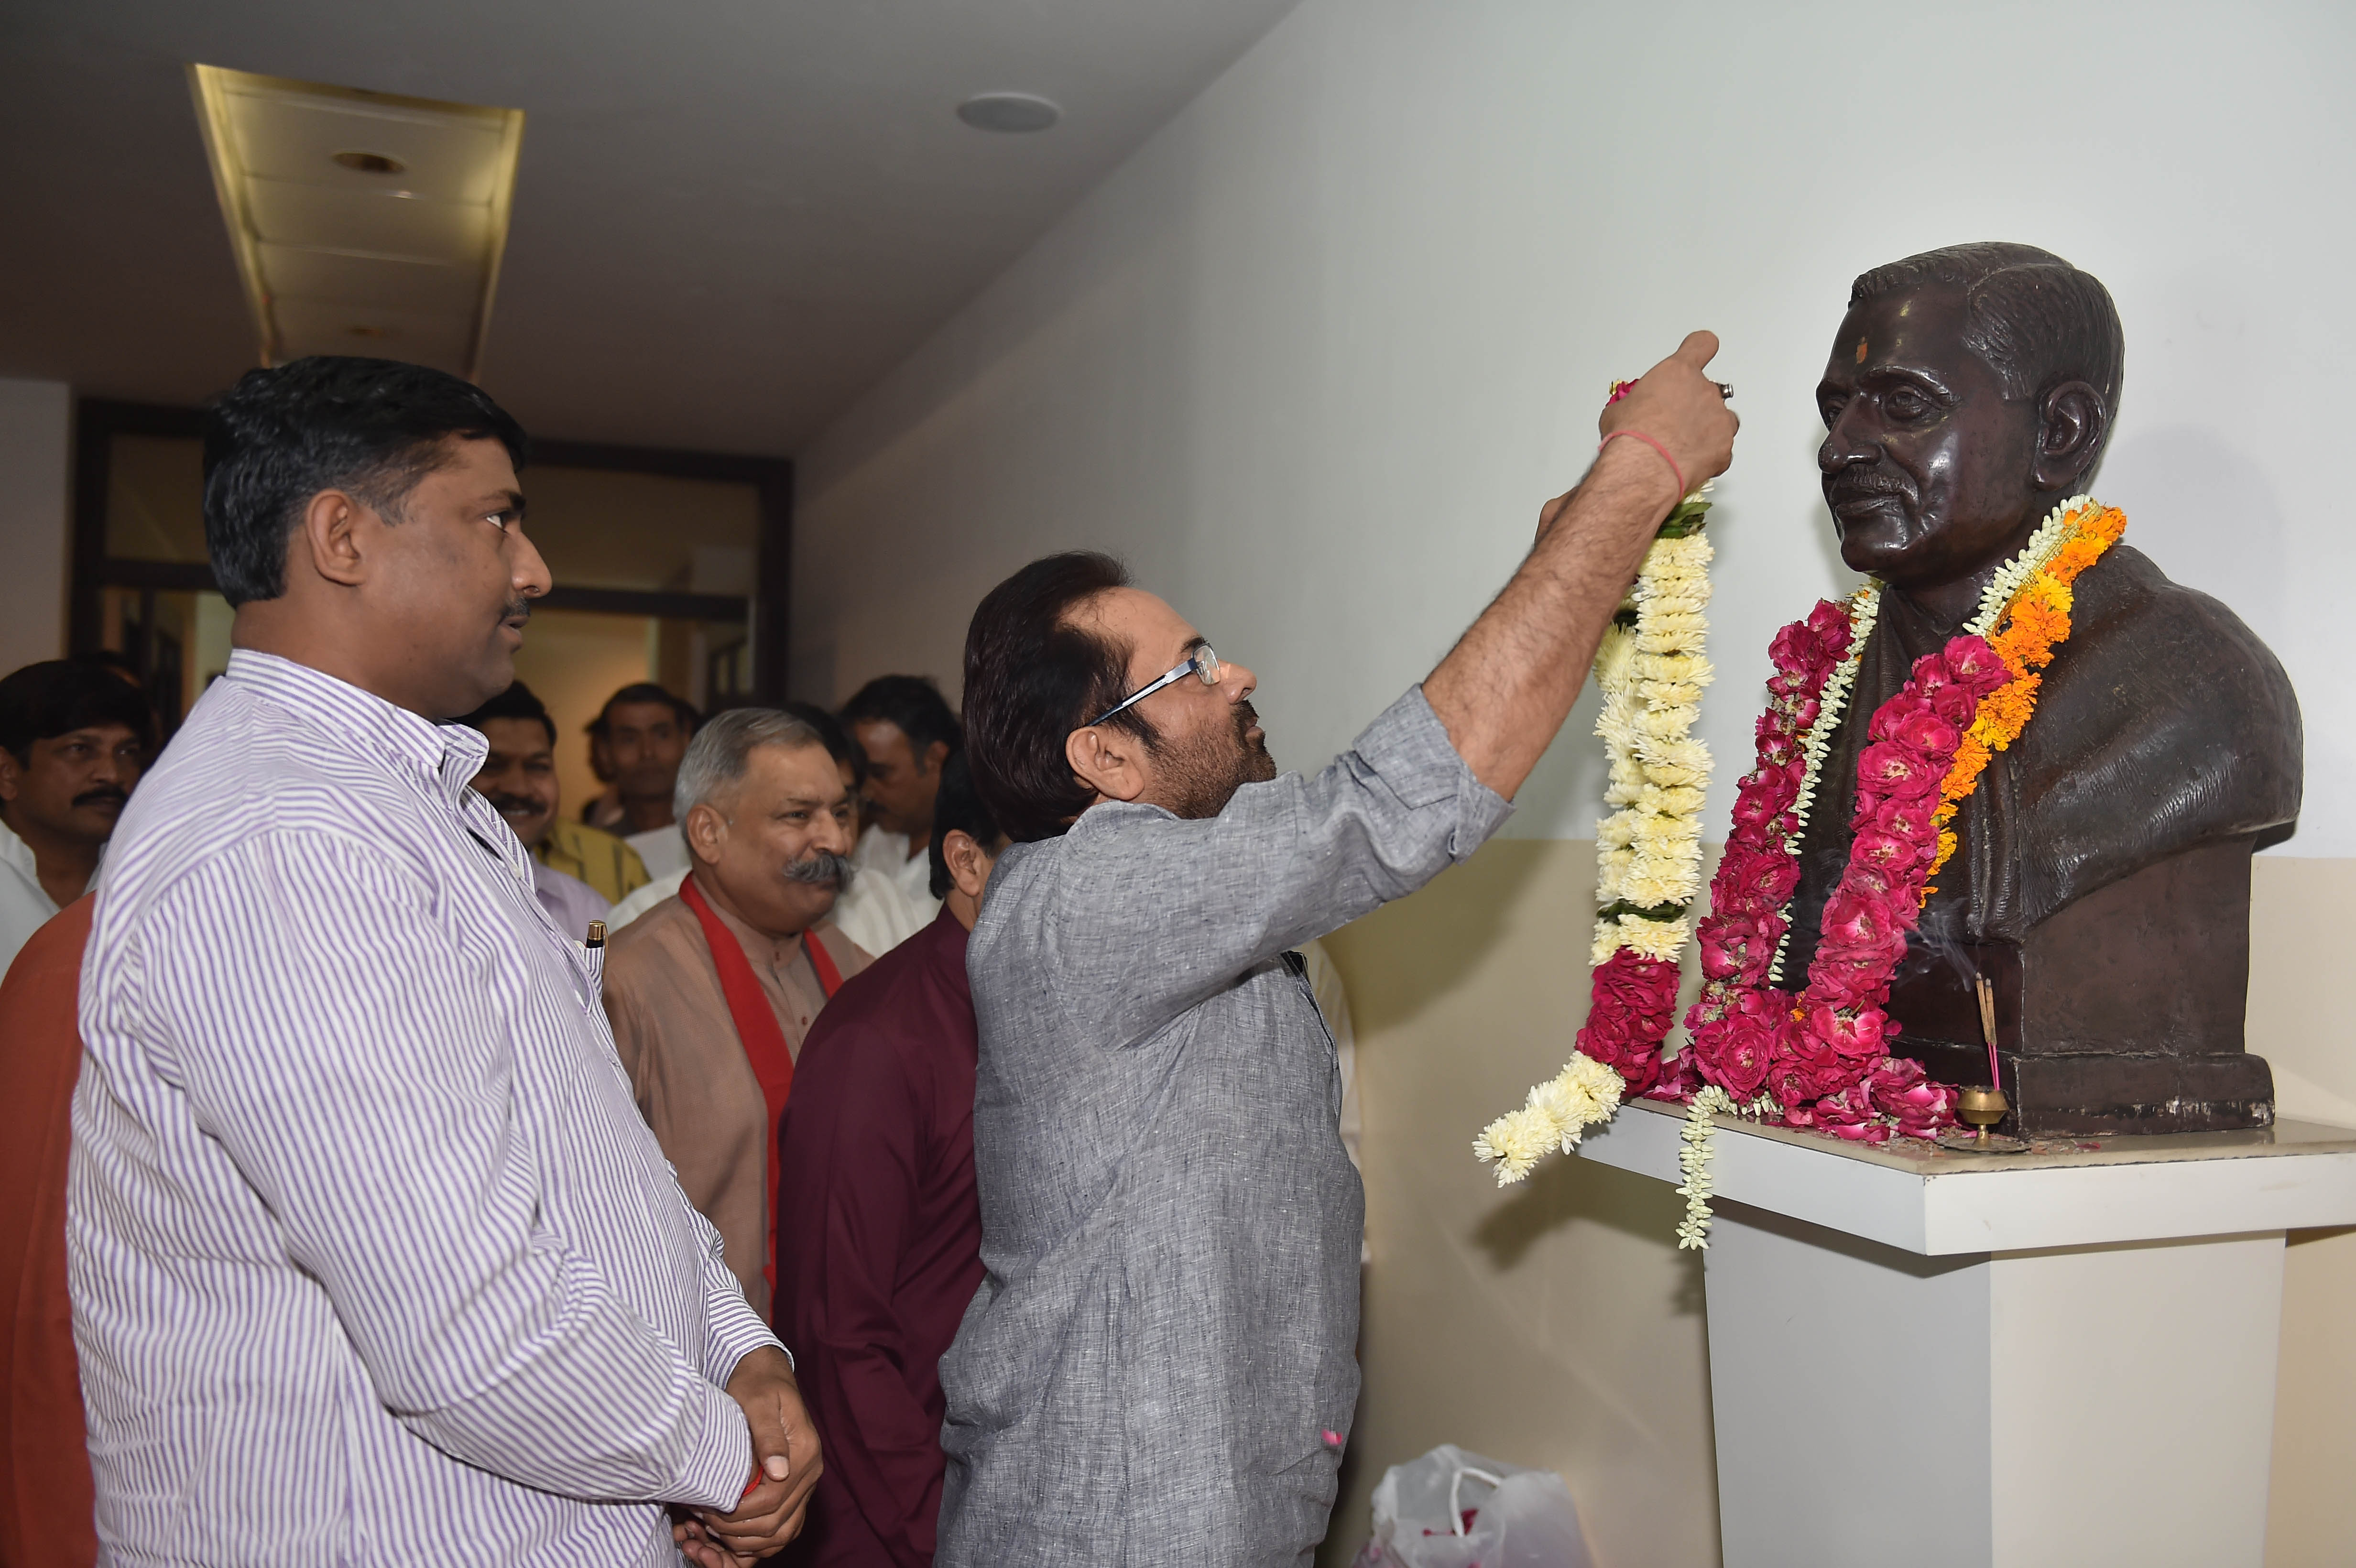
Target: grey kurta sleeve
x=1157, y=913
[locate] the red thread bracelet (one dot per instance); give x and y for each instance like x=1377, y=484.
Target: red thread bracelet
x=1656, y=446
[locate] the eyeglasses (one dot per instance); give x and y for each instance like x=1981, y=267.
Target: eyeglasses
x=1201, y=662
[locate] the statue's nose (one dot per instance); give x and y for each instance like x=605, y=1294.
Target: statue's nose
x=1844, y=447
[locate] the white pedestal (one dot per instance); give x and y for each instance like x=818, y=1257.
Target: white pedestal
x=2016, y=1361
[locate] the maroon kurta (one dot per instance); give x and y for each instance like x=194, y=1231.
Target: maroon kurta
x=879, y=1239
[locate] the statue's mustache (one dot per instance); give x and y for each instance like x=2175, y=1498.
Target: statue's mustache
x=1864, y=482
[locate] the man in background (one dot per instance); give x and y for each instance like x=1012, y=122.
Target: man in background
x=846, y=762
x=372, y=1256
x=712, y=993
x=643, y=730
x=906, y=731
x=518, y=778
x=74, y=738
x=879, y=1231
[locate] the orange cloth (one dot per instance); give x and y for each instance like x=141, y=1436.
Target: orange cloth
x=45, y=1491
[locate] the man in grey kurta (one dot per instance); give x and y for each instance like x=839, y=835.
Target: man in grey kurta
x=1159, y=1366
x=1170, y=1221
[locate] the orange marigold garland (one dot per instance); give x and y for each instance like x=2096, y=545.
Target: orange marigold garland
x=2031, y=598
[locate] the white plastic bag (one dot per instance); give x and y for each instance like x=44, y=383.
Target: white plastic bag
x=1455, y=1510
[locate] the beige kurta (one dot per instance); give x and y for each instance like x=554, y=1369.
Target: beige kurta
x=694, y=1084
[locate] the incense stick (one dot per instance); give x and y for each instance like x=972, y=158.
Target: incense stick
x=1988, y=1027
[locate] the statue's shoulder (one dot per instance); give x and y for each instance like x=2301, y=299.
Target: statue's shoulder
x=2127, y=612
x=2148, y=654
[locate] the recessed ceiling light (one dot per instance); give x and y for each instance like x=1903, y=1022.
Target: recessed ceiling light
x=1007, y=112
x=372, y=163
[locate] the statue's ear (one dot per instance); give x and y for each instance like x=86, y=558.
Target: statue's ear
x=2073, y=422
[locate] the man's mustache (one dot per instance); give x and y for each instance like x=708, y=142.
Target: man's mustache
x=107, y=795
x=820, y=869
x=518, y=609
x=513, y=805
x=1246, y=717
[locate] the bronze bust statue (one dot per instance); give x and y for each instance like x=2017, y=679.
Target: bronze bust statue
x=2101, y=880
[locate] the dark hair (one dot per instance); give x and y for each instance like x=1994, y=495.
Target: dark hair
x=515, y=702
x=644, y=691
x=2036, y=319
x=1032, y=676
x=58, y=697
x=373, y=427
x=959, y=808
x=911, y=702
x=115, y=662
x=830, y=733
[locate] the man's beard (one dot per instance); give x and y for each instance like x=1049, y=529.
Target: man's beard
x=820, y=869
x=1200, y=775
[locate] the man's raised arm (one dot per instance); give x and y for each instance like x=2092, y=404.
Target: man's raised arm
x=1508, y=684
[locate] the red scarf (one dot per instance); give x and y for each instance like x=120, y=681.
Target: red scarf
x=756, y=1023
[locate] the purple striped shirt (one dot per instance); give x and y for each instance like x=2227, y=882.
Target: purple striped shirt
x=372, y=1258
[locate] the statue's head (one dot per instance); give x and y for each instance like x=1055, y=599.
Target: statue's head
x=1969, y=390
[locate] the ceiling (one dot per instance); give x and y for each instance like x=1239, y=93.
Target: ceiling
x=731, y=218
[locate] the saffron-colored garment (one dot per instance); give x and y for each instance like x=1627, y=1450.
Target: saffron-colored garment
x=45, y=1487
x=693, y=1082
x=878, y=1243
x=599, y=858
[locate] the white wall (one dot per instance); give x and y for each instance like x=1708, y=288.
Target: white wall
x=36, y=459
x=1313, y=358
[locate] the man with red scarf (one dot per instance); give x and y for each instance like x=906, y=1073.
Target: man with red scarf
x=711, y=992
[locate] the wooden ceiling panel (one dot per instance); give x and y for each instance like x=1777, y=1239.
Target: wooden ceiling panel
x=377, y=222
x=291, y=133
x=358, y=218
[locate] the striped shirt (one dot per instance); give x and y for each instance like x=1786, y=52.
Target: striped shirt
x=372, y=1258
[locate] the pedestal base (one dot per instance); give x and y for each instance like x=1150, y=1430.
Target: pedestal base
x=2079, y=1404
x=2091, y=1094
x=2057, y=1357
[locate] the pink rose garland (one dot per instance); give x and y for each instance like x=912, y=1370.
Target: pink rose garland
x=1824, y=1054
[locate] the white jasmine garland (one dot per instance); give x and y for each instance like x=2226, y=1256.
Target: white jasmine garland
x=1699, y=1137
x=2034, y=556
x=1517, y=1141
x=1557, y=1113
x=1651, y=677
x=1648, y=851
x=1693, y=1160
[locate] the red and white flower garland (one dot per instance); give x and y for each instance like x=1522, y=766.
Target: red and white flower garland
x=1820, y=1057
